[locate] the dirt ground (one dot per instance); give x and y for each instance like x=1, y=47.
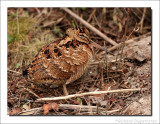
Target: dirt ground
x=125, y=66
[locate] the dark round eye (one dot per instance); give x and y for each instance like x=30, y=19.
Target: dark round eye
x=81, y=35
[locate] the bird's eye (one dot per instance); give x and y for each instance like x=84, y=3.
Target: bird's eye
x=81, y=35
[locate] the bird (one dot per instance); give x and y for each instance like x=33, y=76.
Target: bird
x=62, y=61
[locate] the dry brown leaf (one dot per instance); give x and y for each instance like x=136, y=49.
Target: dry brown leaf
x=54, y=106
x=26, y=107
x=50, y=106
x=15, y=111
x=45, y=109
x=13, y=86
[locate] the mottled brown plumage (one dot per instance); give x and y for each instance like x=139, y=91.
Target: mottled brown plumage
x=62, y=61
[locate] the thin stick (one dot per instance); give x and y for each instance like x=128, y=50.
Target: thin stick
x=17, y=22
x=14, y=71
x=90, y=26
x=89, y=93
x=79, y=107
x=142, y=20
x=123, y=40
x=91, y=15
x=106, y=61
x=29, y=91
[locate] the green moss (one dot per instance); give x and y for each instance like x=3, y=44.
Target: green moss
x=25, y=38
x=83, y=8
x=19, y=28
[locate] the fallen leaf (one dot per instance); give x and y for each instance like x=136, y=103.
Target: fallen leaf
x=26, y=107
x=54, y=106
x=45, y=109
x=50, y=106
x=15, y=111
x=13, y=86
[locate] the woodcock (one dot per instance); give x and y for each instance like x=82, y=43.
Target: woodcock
x=62, y=61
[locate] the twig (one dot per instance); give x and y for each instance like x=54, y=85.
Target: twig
x=29, y=91
x=17, y=22
x=112, y=111
x=99, y=25
x=133, y=11
x=39, y=12
x=105, y=49
x=91, y=15
x=52, y=22
x=142, y=20
x=14, y=71
x=89, y=93
x=124, y=39
x=90, y=26
x=106, y=59
x=79, y=107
